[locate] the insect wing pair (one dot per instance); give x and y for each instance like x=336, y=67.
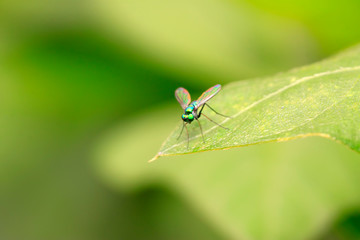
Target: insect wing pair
x=183, y=96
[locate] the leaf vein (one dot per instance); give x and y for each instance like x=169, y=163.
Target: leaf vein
x=270, y=95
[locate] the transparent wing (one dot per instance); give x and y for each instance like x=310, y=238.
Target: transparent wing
x=183, y=97
x=208, y=94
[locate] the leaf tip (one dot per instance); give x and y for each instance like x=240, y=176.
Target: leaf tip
x=154, y=158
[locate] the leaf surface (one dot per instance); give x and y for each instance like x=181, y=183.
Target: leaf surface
x=321, y=99
x=293, y=190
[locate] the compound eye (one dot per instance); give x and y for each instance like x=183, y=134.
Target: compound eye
x=183, y=117
x=191, y=117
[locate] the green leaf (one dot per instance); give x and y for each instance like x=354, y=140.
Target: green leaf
x=293, y=190
x=318, y=100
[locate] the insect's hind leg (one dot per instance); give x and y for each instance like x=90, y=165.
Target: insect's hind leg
x=216, y=111
x=215, y=122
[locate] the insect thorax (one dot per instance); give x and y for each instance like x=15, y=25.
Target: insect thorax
x=189, y=109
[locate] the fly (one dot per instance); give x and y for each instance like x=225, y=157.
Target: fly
x=193, y=110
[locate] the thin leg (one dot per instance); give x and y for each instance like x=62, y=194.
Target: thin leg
x=187, y=132
x=201, y=111
x=216, y=111
x=182, y=129
x=201, y=130
x=215, y=122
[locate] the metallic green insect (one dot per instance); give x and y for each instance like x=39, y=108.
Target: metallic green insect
x=191, y=109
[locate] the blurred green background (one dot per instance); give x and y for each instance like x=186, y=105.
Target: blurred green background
x=86, y=98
